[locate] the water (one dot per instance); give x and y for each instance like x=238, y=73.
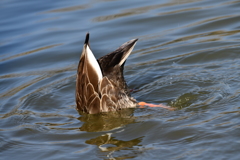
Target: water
x=187, y=57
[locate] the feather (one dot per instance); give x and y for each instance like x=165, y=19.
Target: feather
x=100, y=85
x=94, y=106
x=107, y=104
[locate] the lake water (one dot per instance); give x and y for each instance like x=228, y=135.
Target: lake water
x=187, y=57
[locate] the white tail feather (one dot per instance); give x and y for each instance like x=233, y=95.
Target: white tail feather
x=126, y=55
x=93, y=62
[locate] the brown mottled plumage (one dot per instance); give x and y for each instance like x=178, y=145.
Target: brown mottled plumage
x=100, y=85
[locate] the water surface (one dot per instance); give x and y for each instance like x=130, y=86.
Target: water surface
x=187, y=57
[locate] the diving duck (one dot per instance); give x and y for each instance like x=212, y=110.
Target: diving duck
x=100, y=84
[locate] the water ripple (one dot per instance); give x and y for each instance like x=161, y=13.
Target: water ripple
x=187, y=57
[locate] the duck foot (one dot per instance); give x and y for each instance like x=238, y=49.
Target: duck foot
x=142, y=104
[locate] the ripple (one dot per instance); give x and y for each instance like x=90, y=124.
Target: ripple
x=187, y=57
x=68, y=9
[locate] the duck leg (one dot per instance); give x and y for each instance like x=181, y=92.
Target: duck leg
x=142, y=104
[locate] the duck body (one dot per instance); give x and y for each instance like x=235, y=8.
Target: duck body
x=100, y=84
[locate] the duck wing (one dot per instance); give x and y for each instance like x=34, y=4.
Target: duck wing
x=117, y=57
x=112, y=64
x=113, y=88
x=100, y=85
x=88, y=77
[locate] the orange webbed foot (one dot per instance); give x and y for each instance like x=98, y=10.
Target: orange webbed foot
x=142, y=104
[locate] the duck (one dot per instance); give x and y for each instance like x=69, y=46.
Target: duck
x=100, y=83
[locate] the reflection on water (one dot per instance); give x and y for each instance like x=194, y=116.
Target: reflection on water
x=106, y=121
x=107, y=143
x=187, y=57
x=113, y=123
